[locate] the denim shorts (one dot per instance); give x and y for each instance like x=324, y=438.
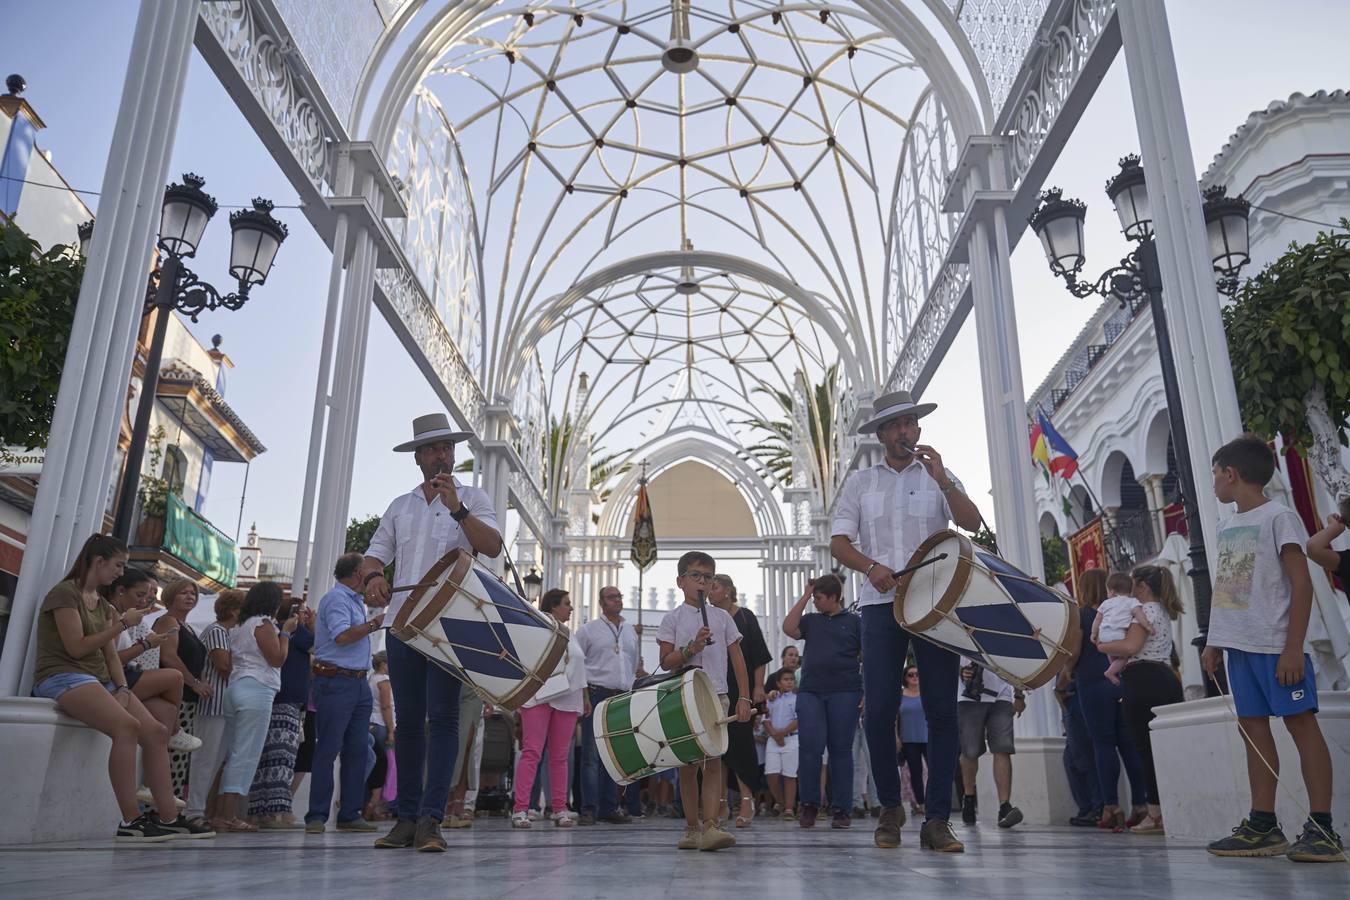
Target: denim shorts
x=53, y=686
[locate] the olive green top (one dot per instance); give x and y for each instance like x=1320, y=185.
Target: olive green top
x=52, y=658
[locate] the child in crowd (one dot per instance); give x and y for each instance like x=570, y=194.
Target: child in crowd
x=1114, y=616
x=1259, y=614
x=685, y=641
x=780, y=753
x=1337, y=562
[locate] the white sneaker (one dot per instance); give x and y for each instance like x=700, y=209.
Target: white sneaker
x=564, y=820
x=534, y=815
x=184, y=742
x=143, y=795
x=520, y=820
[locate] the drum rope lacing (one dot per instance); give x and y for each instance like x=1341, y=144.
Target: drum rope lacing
x=972, y=630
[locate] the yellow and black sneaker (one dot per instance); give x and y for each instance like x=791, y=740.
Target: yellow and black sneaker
x=1317, y=845
x=1248, y=841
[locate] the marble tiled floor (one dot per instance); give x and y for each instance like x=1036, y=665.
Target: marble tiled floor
x=639, y=862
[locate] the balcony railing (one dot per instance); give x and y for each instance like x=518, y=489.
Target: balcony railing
x=193, y=540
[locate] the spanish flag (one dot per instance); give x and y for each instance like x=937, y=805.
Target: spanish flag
x=1063, y=459
x=1040, y=450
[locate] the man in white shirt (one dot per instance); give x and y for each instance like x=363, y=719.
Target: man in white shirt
x=417, y=529
x=882, y=515
x=987, y=706
x=611, y=648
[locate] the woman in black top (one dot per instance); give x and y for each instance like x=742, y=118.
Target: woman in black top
x=184, y=651
x=1100, y=701
x=741, y=758
x=828, y=696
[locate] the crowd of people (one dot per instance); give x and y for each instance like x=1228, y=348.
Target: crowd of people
x=216, y=731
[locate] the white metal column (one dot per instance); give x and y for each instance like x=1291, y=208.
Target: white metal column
x=77, y=474
x=1204, y=372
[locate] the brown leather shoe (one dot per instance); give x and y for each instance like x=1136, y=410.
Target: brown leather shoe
x=429, y=838
x=808, y=816
x=887, y=835
x=399, y=837
x=937, y=834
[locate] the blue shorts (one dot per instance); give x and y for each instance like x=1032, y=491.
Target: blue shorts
x=53, y=686
x=1258, y=695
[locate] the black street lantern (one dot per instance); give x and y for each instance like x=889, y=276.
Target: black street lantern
x=1138, y=276
x=1059, y=225
x=187, y=210
x=86, y=232
x=1229, y=239
x=254, y=243
x=1129, y=194
x=534, y=585
x=256, y=237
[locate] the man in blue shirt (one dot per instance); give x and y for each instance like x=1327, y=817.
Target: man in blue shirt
x=342, y=699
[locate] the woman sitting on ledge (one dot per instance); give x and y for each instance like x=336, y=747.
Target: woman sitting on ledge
x=78, y=667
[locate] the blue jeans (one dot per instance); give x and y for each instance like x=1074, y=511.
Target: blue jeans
x=1079, y=763
x=599, y=793
x=1104, y=717
x=342, y=726
x=248, y=712
x=426, y=698
x=884, y=645
x=827, y=720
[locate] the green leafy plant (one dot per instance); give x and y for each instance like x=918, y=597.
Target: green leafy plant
x=153, y=490
x=1289, y=341
x=775, y=453
x=1054, y=558
x=985, y=538
x=37, y=308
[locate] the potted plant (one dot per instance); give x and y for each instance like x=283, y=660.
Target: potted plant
x=153, y=495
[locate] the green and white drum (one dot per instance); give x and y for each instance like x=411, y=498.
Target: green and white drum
x=660, y=727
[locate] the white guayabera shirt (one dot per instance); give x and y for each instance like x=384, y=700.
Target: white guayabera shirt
x=887, y=514
x=413, y=534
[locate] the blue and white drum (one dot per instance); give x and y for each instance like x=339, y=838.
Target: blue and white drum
x=466, y=620
x=977, y=605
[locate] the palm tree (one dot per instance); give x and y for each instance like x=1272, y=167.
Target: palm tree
x=557, y=471
x=776, y=452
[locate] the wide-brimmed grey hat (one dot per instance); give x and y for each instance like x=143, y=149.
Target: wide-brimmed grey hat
x=888, y=406
x=432, y=429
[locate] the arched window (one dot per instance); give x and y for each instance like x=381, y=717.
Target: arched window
x=175, y=469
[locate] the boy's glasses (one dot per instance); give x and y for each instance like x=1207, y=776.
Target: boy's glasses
x=699, y=577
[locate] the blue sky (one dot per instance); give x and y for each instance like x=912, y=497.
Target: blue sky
x=1234, y=58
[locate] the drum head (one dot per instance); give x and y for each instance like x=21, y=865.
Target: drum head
x=922, y=597
x=708, y=712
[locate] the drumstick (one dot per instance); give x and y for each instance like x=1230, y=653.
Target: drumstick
x=411, y=587
x=927, y=562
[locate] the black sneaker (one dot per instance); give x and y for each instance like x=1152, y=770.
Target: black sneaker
x=1087, y=819
x=189, y=829
x=1316, y=845
x=144, y=829
x=968, y=809
x=1247, y=841
x=1008, y=816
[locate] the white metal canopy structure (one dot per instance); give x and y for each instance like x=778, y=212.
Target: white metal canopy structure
x=660, y=229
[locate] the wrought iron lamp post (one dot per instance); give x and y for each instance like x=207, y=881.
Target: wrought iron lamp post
x=255, y=238
x=534, y=585
x=1059, y=225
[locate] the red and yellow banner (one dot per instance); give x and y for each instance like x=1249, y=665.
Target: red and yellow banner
x=1087, y=550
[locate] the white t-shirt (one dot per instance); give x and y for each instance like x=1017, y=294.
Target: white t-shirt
x=1117, y=614
x=1158, y=645
x=683, y=622
x=783, y=710
x=991, y=682
x=1250, y=607
x=376, y=716
x=150, y=658
x=247, y=660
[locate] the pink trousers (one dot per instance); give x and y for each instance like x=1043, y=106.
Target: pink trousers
x=539, y=725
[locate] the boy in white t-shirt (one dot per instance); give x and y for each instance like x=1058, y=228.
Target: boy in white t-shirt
x=780, y=752
x=685, y=641
x=1259, y=614
x=1115, y=615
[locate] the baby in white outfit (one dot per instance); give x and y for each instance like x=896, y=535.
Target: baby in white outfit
x=1114, y=617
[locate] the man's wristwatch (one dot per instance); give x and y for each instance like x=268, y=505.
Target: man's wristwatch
x=460, y=514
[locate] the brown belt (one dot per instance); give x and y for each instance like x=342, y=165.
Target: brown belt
x=328, y=670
